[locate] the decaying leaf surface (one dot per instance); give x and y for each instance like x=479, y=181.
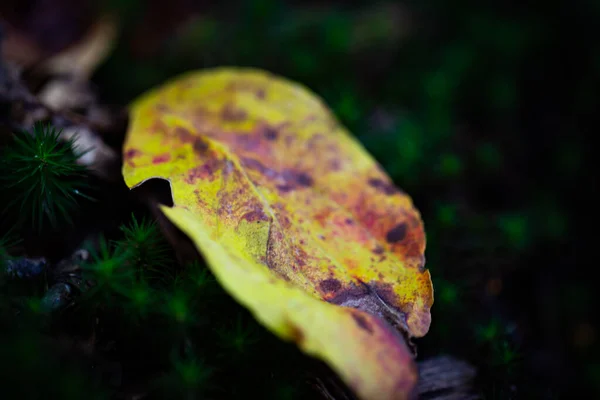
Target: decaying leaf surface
x=293, y=216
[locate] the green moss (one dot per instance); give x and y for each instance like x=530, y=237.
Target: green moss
x=447, y=214
x=516, y=230
x=179, y=307
x=146, y=250
x=489, y=156
x=108, y=270
x=45, y=182
x=490, y=331
x=447, y=293
x=238, y=335
x=450, y=165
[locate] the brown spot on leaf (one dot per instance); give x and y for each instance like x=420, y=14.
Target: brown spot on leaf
x=378, y=250
x=296, y=334
x=349, y=293
x=297, y=178
x=293, y=180
x=204, y=171
x=300, y=256
x=330, y=285
x=158, y=127
x=285, y=221
x=362, y=322
x=397, y=233
x=253, y=164
x=163, y=158
x=252, y=143
x=421, y=263
x=260, y=94
x=131, y=153
x=200, y=146
x=335, y=165
x=285, y=188
x=382, y=186
x=256, y=216
x=259, y=167
x=184, y=135
x=232, y=114
x=323, y=216
x=270, y=133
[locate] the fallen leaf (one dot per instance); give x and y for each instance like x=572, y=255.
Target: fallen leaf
x=295, y=219
x=83, y=57
x=77, y=63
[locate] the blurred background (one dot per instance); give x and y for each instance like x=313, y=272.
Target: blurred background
x=482, y=111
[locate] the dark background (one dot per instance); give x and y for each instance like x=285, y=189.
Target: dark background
x=482, y=111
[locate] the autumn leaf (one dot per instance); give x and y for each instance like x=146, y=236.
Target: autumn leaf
x=296, y=220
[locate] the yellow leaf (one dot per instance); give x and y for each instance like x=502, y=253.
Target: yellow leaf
x=297, y=222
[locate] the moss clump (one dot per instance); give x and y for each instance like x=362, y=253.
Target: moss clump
x=42, y=178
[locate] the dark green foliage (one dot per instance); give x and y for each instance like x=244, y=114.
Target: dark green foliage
x=134, y=271
x=4, y=257
x=41, y=179
x=182, y=324
x=195, y=340
x=31, y=368
x=7, y=241
x=238, y=335
x=145, y=247
x=188, y=376
x=108, y=269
